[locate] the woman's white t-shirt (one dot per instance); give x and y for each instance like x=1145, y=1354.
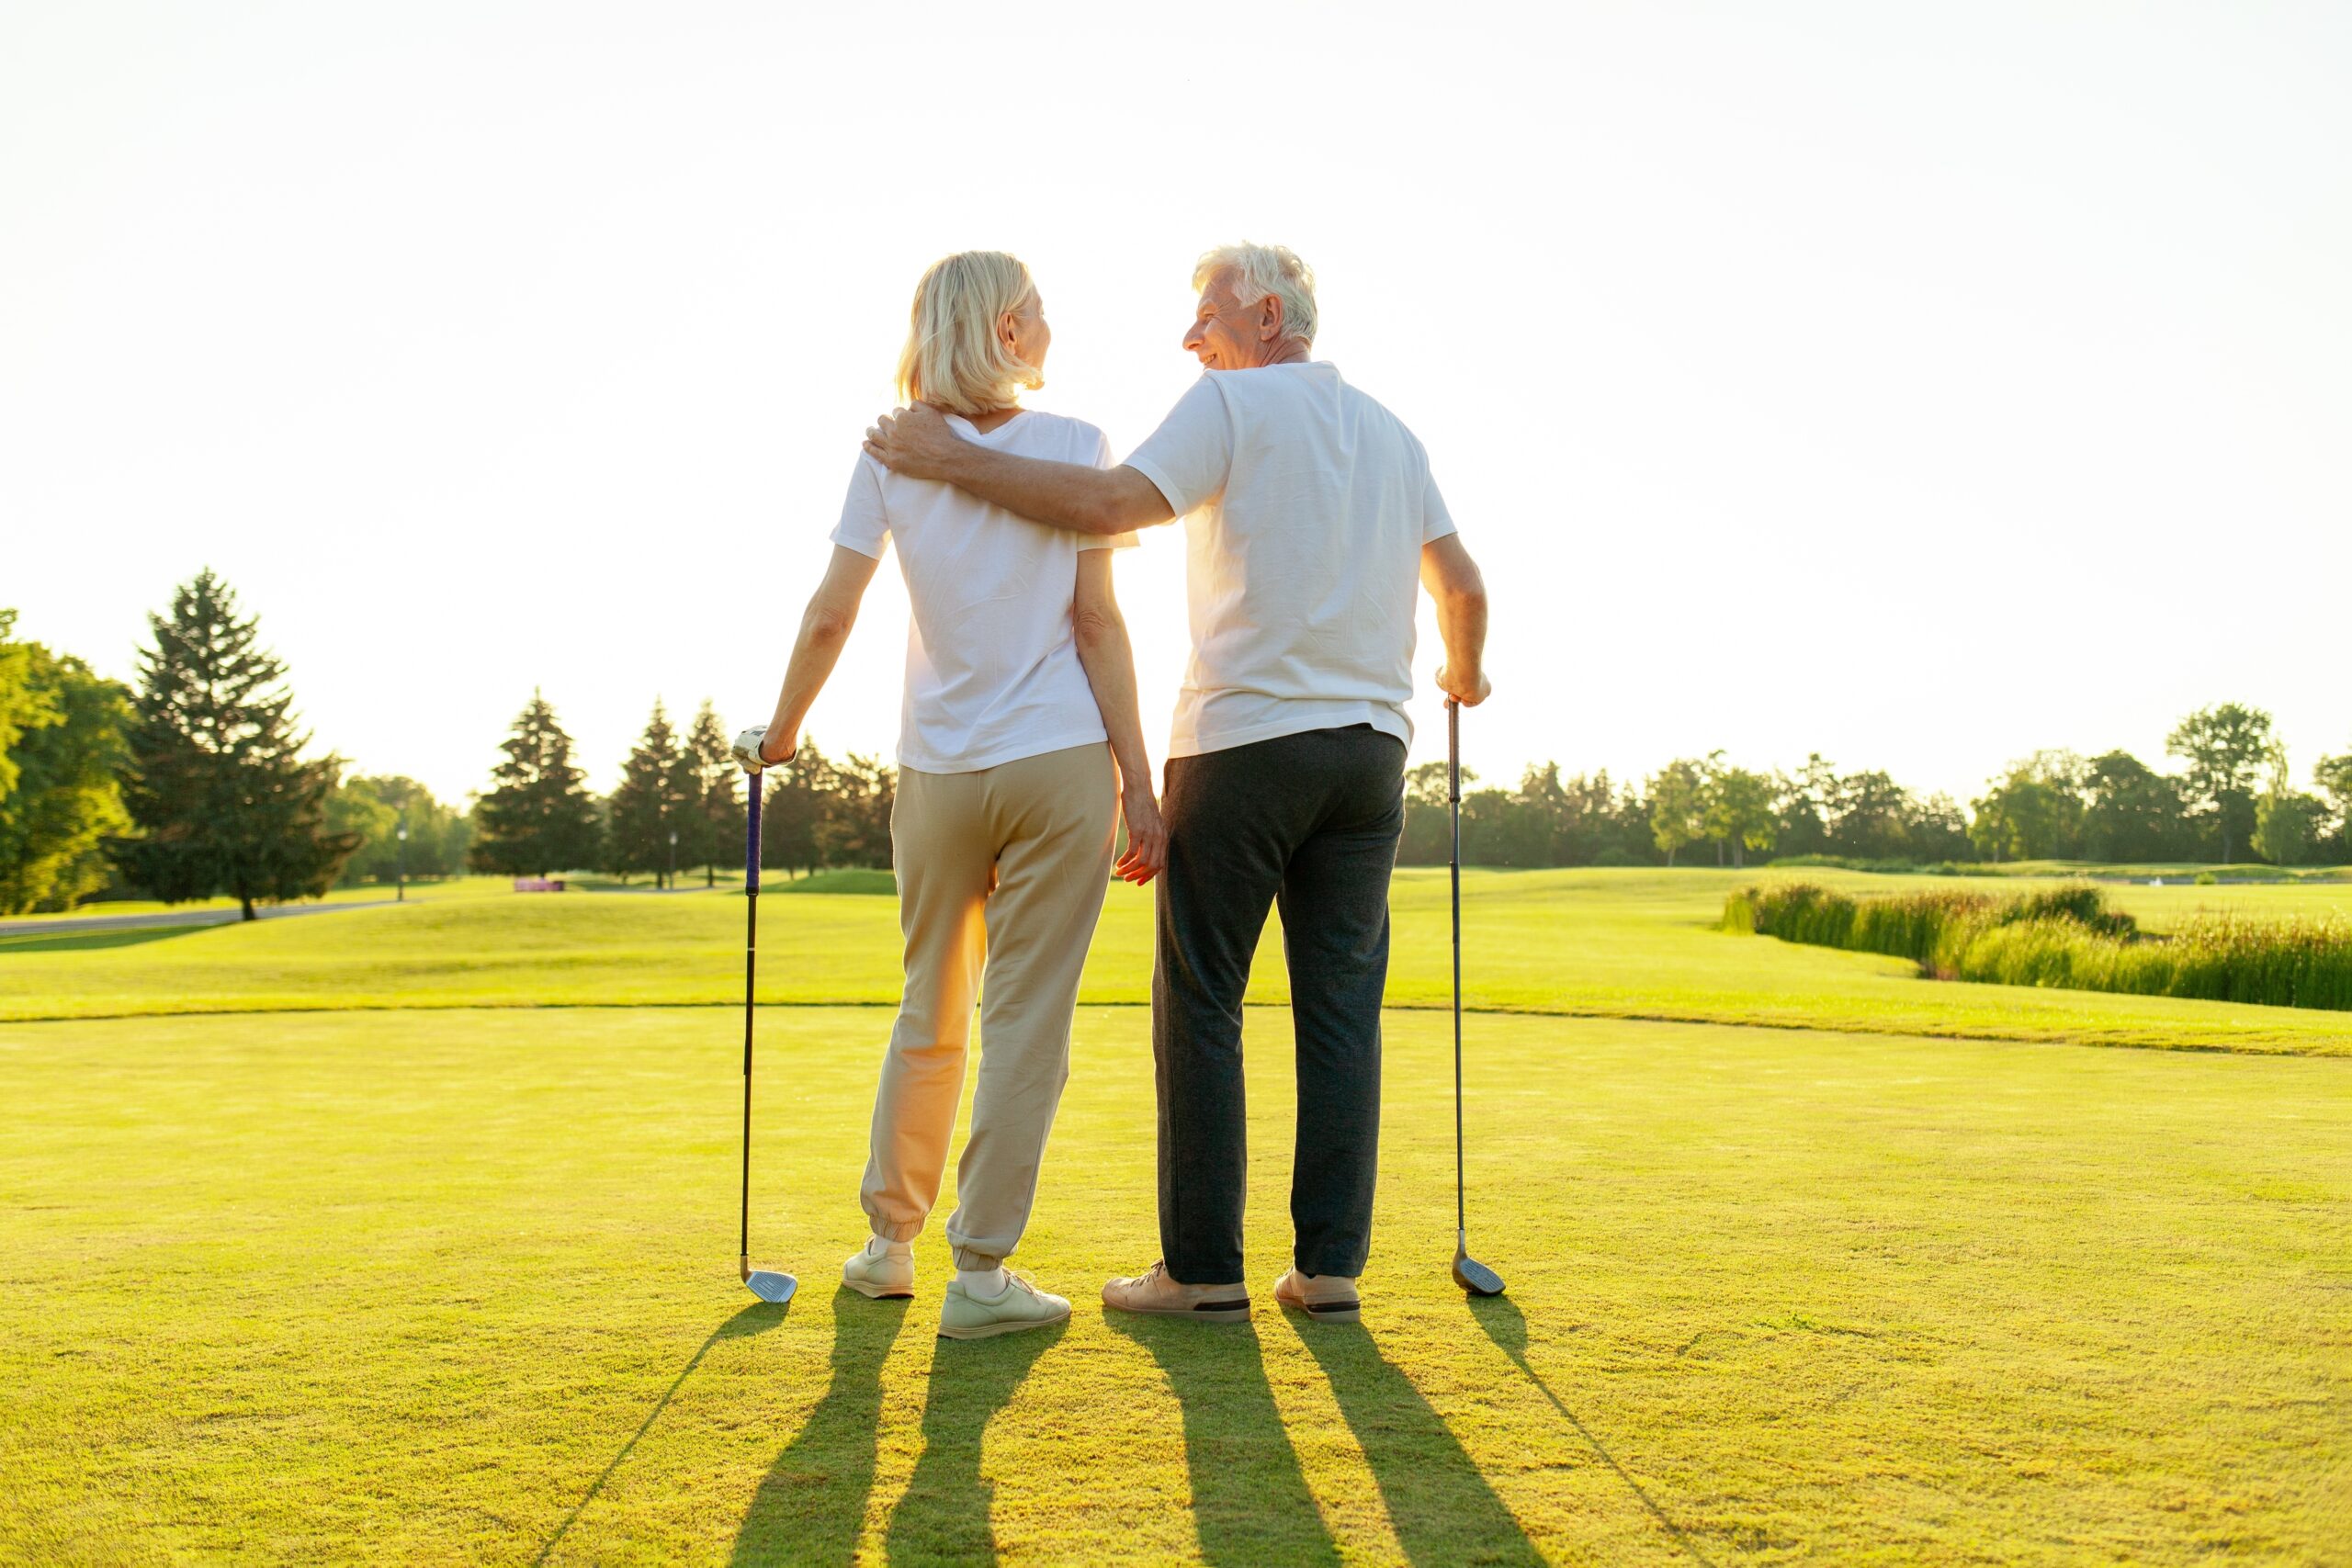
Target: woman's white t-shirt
x=992, y=670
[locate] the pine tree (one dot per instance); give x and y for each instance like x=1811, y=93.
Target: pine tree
x=719, y=823
x=217, y=786
x=855, y=829
x=540, y=818
x=799, y=790
x=658, y=787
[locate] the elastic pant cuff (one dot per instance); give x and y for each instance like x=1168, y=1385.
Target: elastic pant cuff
x=972, y=1262
x=906, y=1232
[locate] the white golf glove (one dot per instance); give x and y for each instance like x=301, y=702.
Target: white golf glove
x=747, y=751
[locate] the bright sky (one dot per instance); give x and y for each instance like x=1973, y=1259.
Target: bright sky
x=1918, y=387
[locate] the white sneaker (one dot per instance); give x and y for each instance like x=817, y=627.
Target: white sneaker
x=884, y=1276
x=963, y=1315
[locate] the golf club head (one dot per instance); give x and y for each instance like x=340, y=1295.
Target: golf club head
x=771, y=1286
x=1476, y=1277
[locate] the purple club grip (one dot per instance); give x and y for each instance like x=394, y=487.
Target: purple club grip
x=751, y=850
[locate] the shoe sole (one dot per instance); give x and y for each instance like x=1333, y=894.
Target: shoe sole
x=878, y=1292
x=1329, y=1312
x=993, y=1330
x=1206, y=1312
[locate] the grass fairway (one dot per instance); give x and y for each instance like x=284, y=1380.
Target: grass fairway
x=451, y=1286
x=1634, y=944
x=406, y=1234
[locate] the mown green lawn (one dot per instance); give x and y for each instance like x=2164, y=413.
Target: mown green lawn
x=417, y=1283
x=1589, y=943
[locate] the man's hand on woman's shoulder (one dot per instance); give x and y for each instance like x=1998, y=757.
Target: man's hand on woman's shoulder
x=915, y=442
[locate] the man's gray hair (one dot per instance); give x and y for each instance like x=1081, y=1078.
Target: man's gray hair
x=1261, y=270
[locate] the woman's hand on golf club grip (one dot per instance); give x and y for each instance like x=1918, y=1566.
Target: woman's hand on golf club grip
x=1147, y=853
x=757, y=753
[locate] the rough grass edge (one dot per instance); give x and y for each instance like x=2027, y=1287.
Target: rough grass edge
x=2065, y=938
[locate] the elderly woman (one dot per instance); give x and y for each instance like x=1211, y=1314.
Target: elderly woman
x=1020, y=698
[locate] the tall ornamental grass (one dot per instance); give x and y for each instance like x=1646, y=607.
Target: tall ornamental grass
x=2067, y=938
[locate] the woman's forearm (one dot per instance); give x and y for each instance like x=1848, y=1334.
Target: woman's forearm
x=824, y=632
x=1109, y=661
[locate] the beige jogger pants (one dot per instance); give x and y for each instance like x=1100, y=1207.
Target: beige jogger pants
x=1006, y=866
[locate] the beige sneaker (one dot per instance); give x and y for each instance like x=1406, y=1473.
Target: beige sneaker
x=962, y=1316
x=1326, y=1298
x=1153, y=1292
x=879, y=1276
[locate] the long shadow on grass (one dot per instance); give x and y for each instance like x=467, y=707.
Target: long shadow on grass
x=810, y=1507
x=1506, y=1327
x=754, y=1319
x=944, y=1517
x=1442, y=1509
x=1251, y=1504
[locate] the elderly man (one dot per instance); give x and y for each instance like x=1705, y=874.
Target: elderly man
x=1311, y=512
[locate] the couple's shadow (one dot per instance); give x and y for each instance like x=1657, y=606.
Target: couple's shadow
x=1250, y=1500
x=811, y=1505
x=1251, y=1504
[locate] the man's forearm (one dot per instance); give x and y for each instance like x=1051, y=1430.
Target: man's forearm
x=1461, y=627
x=1061, y=495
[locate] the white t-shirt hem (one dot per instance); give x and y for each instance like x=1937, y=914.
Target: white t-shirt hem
x=1027, y=746
x=1306, y=715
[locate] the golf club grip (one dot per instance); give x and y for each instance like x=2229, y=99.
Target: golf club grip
x=1452, y=751
x=752, y=849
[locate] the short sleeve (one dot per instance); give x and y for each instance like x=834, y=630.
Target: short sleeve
x=1191, y=452
x=865, y=524
x=1105, y=541
x=1436, y=521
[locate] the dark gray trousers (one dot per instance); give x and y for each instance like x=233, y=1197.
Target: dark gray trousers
x=1310, y=821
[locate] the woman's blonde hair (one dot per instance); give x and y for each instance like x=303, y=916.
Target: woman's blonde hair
x=953, y=357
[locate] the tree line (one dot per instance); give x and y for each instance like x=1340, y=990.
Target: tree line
x=2233, y=797
x=679, y=803
x=196, y=781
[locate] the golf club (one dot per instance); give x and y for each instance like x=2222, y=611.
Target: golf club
x=1468, y=1273
x=765, y=1283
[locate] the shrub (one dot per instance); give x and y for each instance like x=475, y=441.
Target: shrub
x=2065, y=937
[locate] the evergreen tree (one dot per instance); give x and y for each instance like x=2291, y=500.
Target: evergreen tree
x=658, y=787
x=224, y=799
x=538, y=818
x=70, y=725
x=856, y=827
x=719, y=821
x=799, y=791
